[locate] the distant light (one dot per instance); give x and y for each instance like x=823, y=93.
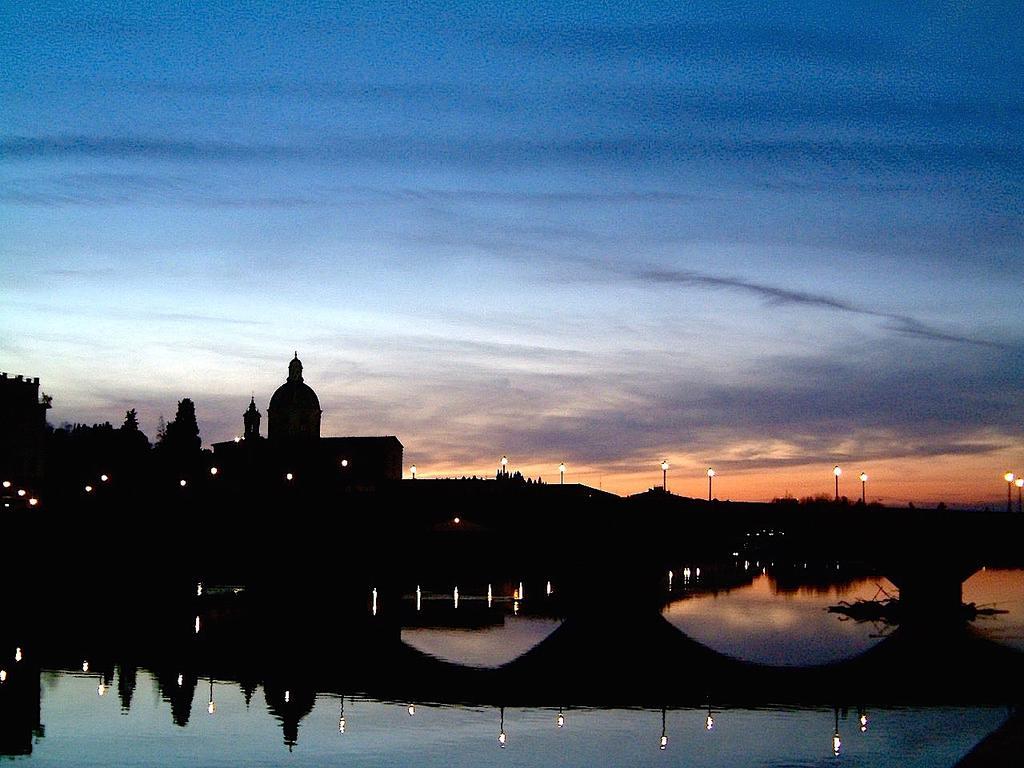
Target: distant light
x=182, y=483
x=17, y=654
x=560, y=720
x=711, y=472
x=561, y=467
x=1019, y=482
x=664, y=466
x=419, y=597
x=33, y=501
x=863, y=722
x=287, y=696
x=21, y=491
x=3, y=675
x=548, y=590
x=7, y=483
x=181, y=680
x=836, y=470
x=85, y=665
x=289, y=476
x=663, y=743
x=502, y=739
x=101, y=689
x=104, y=478
x=412, y=710
x=238, y=439
x=709, y=723
x=344, y=462
x=199, y=589
x=373, y=607
x=1008, y=477
x=413, y=470
x=211, y=707
x=863, y=477
x=490, y=596
x=214, y=470
x=457, y=520
x=197, y=625
x=456, y=595
x=837, y=744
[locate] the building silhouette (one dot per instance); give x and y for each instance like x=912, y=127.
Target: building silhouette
x=22, y=429
x=293, y=445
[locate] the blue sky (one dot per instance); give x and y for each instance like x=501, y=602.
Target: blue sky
x=765, y=238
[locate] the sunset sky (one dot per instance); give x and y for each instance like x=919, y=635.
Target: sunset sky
x=764, y=240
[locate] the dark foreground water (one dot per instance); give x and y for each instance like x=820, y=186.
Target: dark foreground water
x=111, y=715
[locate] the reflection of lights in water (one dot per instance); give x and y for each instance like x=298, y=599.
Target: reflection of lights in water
x=419, y=597
x=664, y=733
x=670, y=575
x=33, y=501
x=341, y=717
x=456, y=596
x=515, y=594
x=287, y=696
x=181, y=680
x=212, y=706
x=837, y=743
x=104, y=478
x=22, y=492
x=101, y=689
x=85, y=666
x=686, y=575
x=502, y=738
x=3, y=675
x=199, y=589
x=490, y=596
x=197, y=625
x=214, y=471
x=515, y=607
x=697, y=574
x=17, y=654
x=289, y=476
x=746, y=565
x=457, y=520
x=664, y=742
x=373, y=606
x=560, y=720
x=412, y=710
x=522, y=592
x=548, y=589
x=182, y=483
x=863, y=721
x=88, y=489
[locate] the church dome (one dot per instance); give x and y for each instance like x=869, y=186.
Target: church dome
x=294, y=409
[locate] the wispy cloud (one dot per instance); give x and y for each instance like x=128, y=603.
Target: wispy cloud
x=899, y=323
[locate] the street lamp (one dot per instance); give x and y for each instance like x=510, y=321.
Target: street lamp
x=863, y=485
x=214, y=471
x=413, y=470
x=561, y=473
x=1009, y=478
x=1019, y=482
x=664, y=475
x=837, y=472
x=711, y=473
x=504, y=465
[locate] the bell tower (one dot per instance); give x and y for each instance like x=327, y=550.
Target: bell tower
x=251, y=417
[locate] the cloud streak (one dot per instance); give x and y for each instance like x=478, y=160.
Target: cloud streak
x=774, y=295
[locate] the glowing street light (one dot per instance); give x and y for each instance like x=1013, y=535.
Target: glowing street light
x=561, y=473
x=289, y=476
x=837, y=472
x=104, y=478
x=560, y=720
x=711, y=474
x=413, y=470
x=88, y=488
x=22, y=492
x=183, y=483
x=664, y=475
x=1009, y=478
x=214, y=471
x=1019, y=482
x=863, y=487
x=7, y=483
x=33, y=501
x=504, y=465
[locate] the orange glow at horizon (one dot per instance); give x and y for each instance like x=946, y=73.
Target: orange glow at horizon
x=971, y=480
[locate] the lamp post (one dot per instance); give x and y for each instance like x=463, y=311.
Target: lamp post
x=1019, y=482
x=863, y=487
x=561, y=473
x=413, y=470
x=837, y=472
x=664, y=475
x=1009, y=478
x=711, y=474
x=504, y=465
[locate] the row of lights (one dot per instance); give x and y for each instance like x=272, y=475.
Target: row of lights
x=837, y=471
x=21, y=493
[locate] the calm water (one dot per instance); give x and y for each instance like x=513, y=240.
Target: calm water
x=89, y=718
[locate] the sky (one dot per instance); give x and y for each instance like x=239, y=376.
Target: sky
x=768, y=238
